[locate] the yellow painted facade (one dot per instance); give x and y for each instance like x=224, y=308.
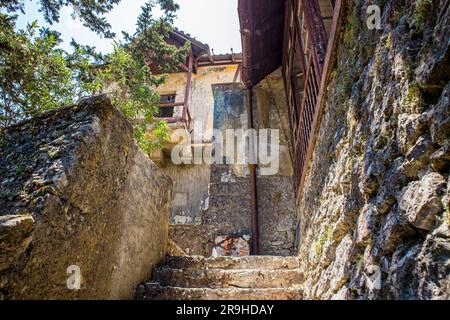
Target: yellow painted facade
x=201, y=100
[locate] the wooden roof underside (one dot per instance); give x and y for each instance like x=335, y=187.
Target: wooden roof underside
x=179, y=38
x=262, y=29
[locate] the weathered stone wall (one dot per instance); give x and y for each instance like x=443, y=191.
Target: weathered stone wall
x=228, y=210
x=276, y=195
x=76, y=191
x=374, y=212
x=191, y=192
x=229, y=204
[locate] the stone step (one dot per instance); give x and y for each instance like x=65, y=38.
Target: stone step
x=156, y=292
x=228, y=263
x=219, y=278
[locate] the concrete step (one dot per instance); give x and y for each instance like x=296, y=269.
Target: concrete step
x=235, y=263
x=156, y=292
x=219, y=278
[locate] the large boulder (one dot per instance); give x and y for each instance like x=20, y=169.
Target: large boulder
x=410, y=128
x=420, y=201
x=84, y=213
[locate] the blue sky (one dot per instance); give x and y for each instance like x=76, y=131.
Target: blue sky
x=214, y=22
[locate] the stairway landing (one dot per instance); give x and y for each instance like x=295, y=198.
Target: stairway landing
x=225, y=278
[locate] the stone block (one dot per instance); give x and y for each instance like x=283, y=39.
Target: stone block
x=420, y=201
x=100, y=207
x=440, y=118
x=366, y=224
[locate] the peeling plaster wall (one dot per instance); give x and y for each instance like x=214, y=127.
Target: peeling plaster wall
x=229, y=211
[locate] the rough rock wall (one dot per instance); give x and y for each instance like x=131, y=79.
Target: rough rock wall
x=374, y=213
x=76, y=191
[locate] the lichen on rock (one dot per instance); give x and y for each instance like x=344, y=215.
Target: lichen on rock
x=77, y=191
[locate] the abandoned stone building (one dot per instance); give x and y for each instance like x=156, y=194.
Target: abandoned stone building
x=212, y=201
x=358, y=207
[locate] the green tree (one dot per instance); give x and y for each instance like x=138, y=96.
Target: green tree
x=90, y=12
x=37, y=76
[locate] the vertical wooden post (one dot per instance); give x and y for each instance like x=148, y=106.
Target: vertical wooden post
x=188, y=87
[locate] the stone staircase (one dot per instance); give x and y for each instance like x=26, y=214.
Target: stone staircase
x=225, y=278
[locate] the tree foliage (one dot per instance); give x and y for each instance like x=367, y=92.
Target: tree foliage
x=36, y=75
x=90, y=12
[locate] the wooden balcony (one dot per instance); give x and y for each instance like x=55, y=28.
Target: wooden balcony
x=309, y=42
x=174, y=123
x=185, y=120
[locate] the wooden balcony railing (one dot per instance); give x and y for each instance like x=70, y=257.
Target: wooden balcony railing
x=185, y=118
x=305, y=64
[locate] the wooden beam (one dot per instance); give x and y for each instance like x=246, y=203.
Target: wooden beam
x=170, y=120
x=170, y=104
x=219, y=63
